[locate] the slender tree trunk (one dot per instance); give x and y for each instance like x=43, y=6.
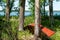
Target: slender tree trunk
x=21, y=16
x=8, y=10
x=37, y=19
x=44, y=8
x=51, y=12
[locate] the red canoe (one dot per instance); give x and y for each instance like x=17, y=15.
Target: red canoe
x=45, y=30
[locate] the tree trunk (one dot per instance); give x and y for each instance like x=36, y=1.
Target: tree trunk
x=44, y=8
x=21, y=15
x=51, y=12
x=8, y=10
x=37, y=19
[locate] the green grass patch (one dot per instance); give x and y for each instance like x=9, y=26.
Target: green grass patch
x=14, y=24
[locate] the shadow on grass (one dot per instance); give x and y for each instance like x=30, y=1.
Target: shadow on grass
x=6, y=31
x=56, y=27
x=46, y=24
x=42, y=36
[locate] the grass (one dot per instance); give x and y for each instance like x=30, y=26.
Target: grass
x=26, y=35
x=56, y=36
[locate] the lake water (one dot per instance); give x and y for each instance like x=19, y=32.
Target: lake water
x=27, y=13
x=55, y=13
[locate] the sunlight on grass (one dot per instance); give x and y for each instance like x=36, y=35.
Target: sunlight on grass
x=25, y=35
x=56, y=36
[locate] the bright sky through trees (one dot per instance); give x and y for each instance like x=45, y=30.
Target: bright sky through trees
x=16, y=4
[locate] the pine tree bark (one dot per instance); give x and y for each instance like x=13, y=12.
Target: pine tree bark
x=44, y=8
x=8, y=10
x=37, y=19
x=51, y=13
x=21, y=15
